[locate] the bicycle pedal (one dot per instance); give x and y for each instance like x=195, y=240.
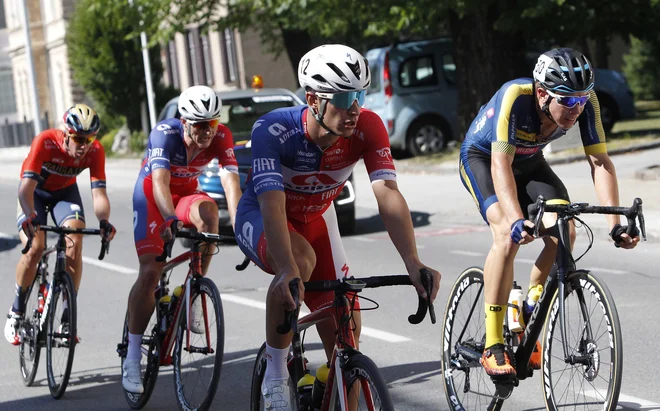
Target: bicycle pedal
x=504, y=386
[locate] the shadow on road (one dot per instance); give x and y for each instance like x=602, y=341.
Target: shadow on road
x=374, y=224
x=9, y=243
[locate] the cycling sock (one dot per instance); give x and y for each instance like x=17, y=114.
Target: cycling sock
x=276, y=361
x=19, y=300
x=494, y=323
x=134, y=347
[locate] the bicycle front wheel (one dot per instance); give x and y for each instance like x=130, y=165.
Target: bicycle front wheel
x=30, y=349
x=590, y=379
x=61, y=334
x=365, y=387
x=149, y=362
x=467, y=386
x=199, y=348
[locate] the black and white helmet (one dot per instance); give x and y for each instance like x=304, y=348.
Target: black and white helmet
x=333, y=68
x=565, y=70
x=199, y=103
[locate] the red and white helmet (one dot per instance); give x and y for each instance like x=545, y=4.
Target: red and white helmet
x=333, y=68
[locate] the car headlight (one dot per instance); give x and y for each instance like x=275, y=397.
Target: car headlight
x=351, y=194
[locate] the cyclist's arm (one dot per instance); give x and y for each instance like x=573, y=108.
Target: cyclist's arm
x=603, y=174
x=395, y=213
x=97, y=180
x=273, y=211
x=505, y=185
x=31, y=176
x=162, y=194
x=101, y=203
x=26, y=195
x=231, y=183
x=229, y=176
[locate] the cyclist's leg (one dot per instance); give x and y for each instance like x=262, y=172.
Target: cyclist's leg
x=331, y=264
x=68, y=211
x=201, y=211
x=498, y=269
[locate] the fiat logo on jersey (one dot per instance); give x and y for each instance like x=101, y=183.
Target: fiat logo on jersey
x=313, y=181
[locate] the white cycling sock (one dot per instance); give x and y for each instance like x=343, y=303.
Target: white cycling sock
x=276, y=359
x=134, y=350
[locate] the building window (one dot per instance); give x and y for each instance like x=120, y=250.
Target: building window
x=7, y=96
x=206, y=57
x=229, y=56
x=172, y=66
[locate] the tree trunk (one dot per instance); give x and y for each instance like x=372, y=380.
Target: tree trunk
x=485, y=59
x=296, y=43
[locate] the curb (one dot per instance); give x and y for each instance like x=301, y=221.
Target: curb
x=622, y=150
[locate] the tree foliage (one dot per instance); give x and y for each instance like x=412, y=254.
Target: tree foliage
x=641, y=68
x=106, y=59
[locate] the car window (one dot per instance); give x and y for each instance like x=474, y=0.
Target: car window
x=374, y=87
x=241, y=114
x=418, y=71
x=449, y=68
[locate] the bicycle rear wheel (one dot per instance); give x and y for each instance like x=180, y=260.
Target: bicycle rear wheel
x=258, y=377
x=149, y=363
x=467, y=386
x=198, y=352
x=61, y=333
x=365, y=386
x=593, y=336
x=30, y=349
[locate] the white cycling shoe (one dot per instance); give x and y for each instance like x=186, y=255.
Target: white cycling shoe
x=11, y=327
x=276, y=395
x=131, y=377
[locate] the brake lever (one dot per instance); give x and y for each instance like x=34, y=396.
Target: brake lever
x=291, y=316
x=105, y=248
x=28, y=245
x=424, y=304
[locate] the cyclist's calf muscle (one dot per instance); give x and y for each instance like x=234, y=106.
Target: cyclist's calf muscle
x=141, y=299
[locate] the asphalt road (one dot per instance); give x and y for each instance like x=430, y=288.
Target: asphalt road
x=450, y=237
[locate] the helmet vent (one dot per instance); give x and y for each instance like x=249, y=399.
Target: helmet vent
x=338, y=72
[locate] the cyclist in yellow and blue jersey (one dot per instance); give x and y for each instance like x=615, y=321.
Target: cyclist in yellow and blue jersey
x=503, y=168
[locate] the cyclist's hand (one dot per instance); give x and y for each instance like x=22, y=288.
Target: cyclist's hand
x=108, y=231
x=169, y=227
x=522, y=231
x=30, y=225
x=279, y=289
x=416, y=279
x=622, y=239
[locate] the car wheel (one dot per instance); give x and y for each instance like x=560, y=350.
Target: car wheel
x=346, y=222
x=186, y=242
x=426, y=137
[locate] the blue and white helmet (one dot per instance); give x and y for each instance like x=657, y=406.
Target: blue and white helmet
x=564, y=70
x=333, y=68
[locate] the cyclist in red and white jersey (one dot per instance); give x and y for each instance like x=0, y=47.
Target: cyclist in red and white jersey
x=166, y=197
x=48, y=183
x=286, y=221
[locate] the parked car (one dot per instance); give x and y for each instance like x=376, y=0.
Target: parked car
x=413, y=90
x=240, y=110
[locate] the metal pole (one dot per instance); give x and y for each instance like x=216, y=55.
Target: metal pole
x=147, y=75
x=33, y=83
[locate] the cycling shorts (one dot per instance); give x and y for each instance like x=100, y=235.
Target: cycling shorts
x=63, y=205
x=321, y=233
x=147, y=218
x=533, y=177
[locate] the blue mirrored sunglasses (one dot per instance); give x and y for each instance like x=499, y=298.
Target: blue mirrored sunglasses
x=345, y=100
x=569, y=101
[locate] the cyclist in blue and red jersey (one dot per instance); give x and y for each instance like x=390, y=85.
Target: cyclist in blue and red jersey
x=286, y=222
x=503, y=168
x=166, y=197
x=48, y=184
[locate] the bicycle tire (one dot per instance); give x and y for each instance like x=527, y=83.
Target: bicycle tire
x=150, y=374
x=29, y=350
x=595, y=291
x=360, y=367
x=202, y=287
x=460, y=359
x=62, y=286
x=258, y=377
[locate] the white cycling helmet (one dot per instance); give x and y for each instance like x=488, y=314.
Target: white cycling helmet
x=199, y=103
x=333, y=68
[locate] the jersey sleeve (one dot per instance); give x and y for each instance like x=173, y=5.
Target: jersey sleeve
x=505, y=122
x=161, y=141
x=224, y=146
x=266, y=164
x=591, y=127
x=377, y=154
x=35, y=158
x=97, y=167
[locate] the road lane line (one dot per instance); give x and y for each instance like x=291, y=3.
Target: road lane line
x=468, y=253
x=363, y=239
x=606, y=271
x=368, y=331
x=109, y=266
x=627, y=401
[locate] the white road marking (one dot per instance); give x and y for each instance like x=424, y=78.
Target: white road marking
x=606, y=271
x=370, y=332
x=363, y=239
x=109, y=266
x=627, y=401
x=468, y=253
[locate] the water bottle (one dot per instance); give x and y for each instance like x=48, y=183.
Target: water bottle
x=305, y=386
x=163, y=306
x=43, y=294
x=533, y=296
x=514, y=308
x=319, y=386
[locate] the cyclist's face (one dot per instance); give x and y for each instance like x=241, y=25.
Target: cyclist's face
x=564, y=116
x=78, y=146
x=201, y=133
x=340, y=121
